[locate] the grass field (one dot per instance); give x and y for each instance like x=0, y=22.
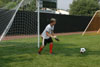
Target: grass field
x=23, y=52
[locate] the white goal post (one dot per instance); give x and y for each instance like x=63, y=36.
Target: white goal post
x=38, y=26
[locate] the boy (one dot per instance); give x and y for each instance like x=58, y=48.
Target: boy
x=47, y=35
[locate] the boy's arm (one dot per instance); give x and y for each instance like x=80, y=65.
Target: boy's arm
x=50, y=35
x=53, y=34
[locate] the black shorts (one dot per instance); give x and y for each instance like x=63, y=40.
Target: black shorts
x=46, y=41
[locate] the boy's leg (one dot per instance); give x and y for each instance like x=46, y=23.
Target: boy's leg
x=51, y=46
x=41, y=48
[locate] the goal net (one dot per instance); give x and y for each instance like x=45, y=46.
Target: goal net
x=93, y=27
x=18, y=20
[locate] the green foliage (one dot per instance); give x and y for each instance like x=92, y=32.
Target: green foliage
x=7, y=4
x=31, y=6
x=10, y=5
x=1, y=3
x=84, y=7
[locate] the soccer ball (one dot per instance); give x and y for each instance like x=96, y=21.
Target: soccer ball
x=82, y=50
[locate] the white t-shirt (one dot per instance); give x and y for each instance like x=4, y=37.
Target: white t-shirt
x=48, y=29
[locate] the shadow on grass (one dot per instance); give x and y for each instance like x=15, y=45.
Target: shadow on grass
x=9, y=48
x=4, y=61
x=93, y=52
x=72, y=50
x=65, y=50
x=16, y=52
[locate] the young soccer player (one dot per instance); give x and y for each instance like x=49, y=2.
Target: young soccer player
x=47, y=36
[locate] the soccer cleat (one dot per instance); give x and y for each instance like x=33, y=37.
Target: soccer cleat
x=39, y=53
x=51, y=53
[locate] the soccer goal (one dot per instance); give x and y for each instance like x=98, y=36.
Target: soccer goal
x=93, y=27
x=19, y=19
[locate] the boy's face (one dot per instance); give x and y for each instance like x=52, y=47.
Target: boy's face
x=53, y=23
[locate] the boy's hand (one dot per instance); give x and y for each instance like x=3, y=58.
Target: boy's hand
x=55, y=37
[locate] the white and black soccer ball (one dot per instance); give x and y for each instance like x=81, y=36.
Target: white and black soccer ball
x=82, y=50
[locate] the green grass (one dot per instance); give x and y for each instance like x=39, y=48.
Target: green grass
x=23, y=52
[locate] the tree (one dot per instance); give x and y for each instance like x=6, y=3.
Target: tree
x=84, y=7
x=31, y=6
x=1, y=3
x=9, y=4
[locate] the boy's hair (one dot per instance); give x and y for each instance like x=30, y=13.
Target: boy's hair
x=52, y=20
